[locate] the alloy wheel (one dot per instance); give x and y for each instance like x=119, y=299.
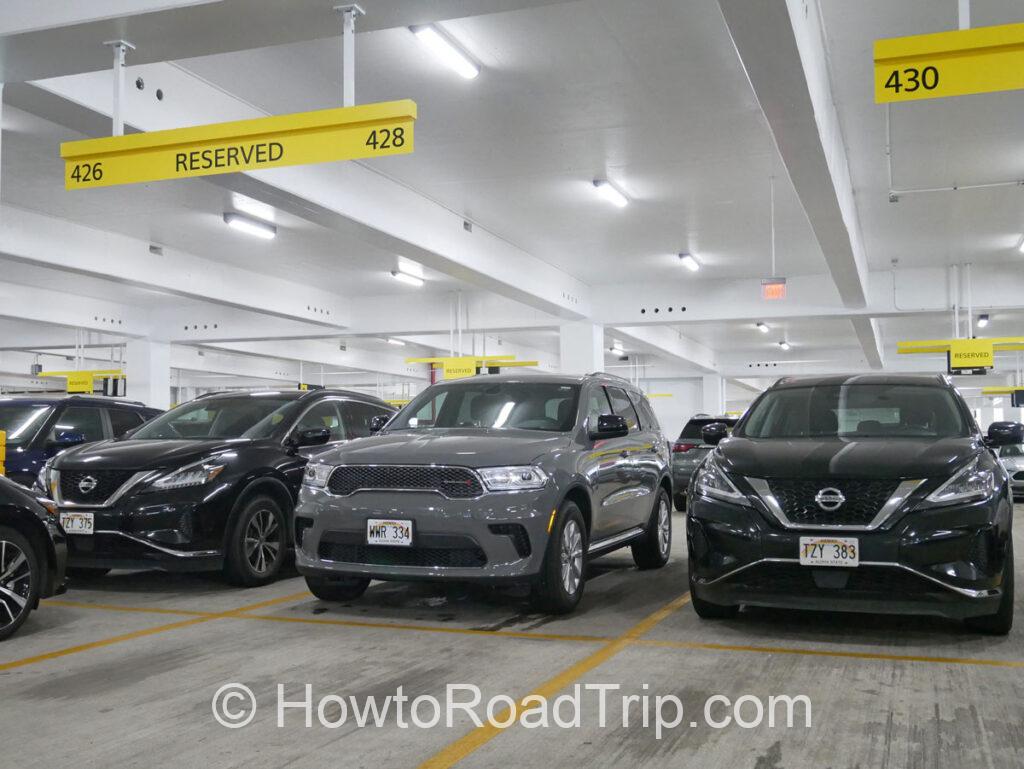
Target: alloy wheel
x=664, y=526
x=571, y=557
x=15, y=582
x=262, y=541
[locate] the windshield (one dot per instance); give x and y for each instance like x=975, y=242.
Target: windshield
x=224, y=417
x=21, y=421
x=1016, y=450
x=493, y=405
x=856, y=411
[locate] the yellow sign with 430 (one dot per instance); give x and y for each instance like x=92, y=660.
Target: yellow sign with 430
x=344, y=133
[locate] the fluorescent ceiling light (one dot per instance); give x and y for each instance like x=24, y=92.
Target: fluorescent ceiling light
x=689, y=262
x=763, y=328
x=983, y=320
x=446, y=51
x=609, y=192
x=784, y=345
x=617, y=347
x=250, y=226
x=412, y=280
x=397, y=342
x=1020, y=246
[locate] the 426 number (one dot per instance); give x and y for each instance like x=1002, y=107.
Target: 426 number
x=913, y=79
x=87, y=172
x=386, y=138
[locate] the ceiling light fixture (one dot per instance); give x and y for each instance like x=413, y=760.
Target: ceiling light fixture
x=250, y=226
x=404, y=277
x=983, y=320
x=764, y=328
x=611, y=193
x=689, y=262
x=396, y=342
x=784, y=345
x=617, y=347
x=446, y=51
x=1020, y=246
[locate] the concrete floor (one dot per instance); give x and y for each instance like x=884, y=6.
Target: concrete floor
x=120, y=672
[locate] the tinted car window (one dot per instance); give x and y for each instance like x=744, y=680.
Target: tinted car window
x=122, y=420
x=597, y=404
x=493, y=405
x=221, y=417
x=856, y=411
x=692, y=429
x=622, y=406
x=358, y=416
x=80, y=419
x=22, y=421
x=647, y=418
x=324, y=414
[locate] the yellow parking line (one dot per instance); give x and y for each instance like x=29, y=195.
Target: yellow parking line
x=147, y=632
x=830, y=653
x=458, y=750
x=135, y=609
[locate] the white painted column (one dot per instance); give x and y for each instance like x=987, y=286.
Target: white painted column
x=581, y=347
x=713, y=395
x=148, y=369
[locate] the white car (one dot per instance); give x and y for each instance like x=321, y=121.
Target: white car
x=1012, y=458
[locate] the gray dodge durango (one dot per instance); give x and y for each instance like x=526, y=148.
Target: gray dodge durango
x=491, y=478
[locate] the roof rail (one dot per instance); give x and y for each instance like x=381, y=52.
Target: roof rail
x=610, y=376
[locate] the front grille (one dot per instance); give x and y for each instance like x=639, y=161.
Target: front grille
x=451, y=482
x=1019, y=475
x=864, y=498
x=862, y=582
x=74, y=485
x=427, y=550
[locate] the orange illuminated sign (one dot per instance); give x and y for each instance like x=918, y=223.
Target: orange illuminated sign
x=773, y=288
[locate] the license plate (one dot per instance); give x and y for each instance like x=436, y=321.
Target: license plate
x=829, y=551
x=77, y=523
x=381, y=531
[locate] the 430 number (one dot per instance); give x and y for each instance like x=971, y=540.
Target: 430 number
x=87, y=172
x=386, y=138
x=912, y=79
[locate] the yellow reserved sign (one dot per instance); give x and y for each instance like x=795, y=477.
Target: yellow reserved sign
x=323, y=136
x=459, y=368
x=79, y=382
x=971, y=353
x=980, y=60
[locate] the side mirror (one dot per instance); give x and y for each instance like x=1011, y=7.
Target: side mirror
x=714, y=433
x=378, y=423
x=609, y=426
x=314, y=436
x=1005, y=434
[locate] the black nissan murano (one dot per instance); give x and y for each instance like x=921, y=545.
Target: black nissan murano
x=860, y=493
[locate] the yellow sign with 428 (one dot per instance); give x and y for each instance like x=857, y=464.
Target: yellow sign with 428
x=343, y=133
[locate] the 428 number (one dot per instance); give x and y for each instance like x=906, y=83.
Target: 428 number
x=386, y=138
x=912, y=79
x=87, y=172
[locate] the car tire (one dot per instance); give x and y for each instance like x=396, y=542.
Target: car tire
x=1001, y=622
x=653, y=549
x=256, y=545
x=87, y=572
x=560, y=585
x=20, y=590
x=706, y=609
x=337, y=588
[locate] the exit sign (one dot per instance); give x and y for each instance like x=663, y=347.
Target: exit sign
x=773, y=288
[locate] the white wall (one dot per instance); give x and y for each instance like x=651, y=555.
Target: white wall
x=683, y=401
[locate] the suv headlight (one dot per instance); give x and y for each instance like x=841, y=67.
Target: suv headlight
x=44, y=477
x=712, y=482
x=316, y=474
x=513, y=478
x=195, y=474
x=972, y=482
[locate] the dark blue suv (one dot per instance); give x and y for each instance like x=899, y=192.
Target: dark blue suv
x=38, y=428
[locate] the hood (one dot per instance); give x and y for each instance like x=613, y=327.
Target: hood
x=141, y=455
x=875, y=458
x=443, y=446
x=1012, y=463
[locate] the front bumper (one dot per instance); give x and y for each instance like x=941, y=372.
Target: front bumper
x=497, y=537
x=178, y=530
x=945, y=562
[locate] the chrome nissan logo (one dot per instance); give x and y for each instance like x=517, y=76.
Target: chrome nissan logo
x=830, y=499
x=87, y=484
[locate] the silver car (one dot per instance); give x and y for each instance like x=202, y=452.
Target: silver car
x=491, y=478
x=1012, y=458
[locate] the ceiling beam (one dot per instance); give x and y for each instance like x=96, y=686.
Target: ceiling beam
x=319, y=353
x=668, y=343
x=43, y=305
